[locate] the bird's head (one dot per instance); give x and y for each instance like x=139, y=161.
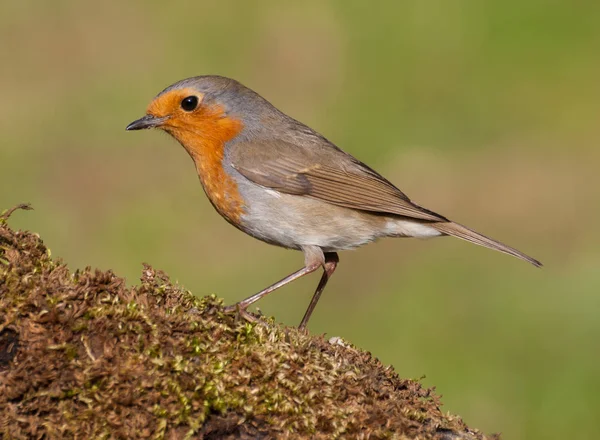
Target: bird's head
x=205, y=109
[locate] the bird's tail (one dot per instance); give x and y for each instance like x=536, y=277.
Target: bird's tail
x=460, y=231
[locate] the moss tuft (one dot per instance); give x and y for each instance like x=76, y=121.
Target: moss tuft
x=83, y=355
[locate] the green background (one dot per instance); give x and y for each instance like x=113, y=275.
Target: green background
x=487, y=112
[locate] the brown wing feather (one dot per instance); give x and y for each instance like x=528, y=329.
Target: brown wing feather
x=323, y=171
x=332, y=176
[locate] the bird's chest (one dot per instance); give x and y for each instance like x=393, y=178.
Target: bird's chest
x=205, y=142
x=220, y=188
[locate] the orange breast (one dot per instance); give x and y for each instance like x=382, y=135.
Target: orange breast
x=204, y=134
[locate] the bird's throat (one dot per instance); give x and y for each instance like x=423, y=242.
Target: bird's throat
x=205, y=143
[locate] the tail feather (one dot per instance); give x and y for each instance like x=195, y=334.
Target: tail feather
x=462, y=232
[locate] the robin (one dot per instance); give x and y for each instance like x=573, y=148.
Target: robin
x=285, y=184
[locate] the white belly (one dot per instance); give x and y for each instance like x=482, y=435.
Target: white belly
x=295, y=221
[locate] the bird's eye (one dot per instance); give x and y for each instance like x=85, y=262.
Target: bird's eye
x=190, y=103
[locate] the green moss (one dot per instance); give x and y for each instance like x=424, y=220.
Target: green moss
x=97, y=359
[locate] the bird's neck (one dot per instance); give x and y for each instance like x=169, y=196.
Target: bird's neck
x=206, y=146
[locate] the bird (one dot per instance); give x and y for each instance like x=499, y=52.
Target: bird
x=285, y=184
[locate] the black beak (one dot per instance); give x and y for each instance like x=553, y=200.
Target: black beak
x=147, y=121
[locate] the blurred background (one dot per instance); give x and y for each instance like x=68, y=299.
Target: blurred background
x=487, y=112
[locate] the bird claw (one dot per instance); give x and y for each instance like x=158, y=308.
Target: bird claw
x=241, y=312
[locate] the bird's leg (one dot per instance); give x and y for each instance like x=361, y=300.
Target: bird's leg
x=331, y=262
x=244, y=304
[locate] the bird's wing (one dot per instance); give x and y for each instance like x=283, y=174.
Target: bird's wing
x=322, y=171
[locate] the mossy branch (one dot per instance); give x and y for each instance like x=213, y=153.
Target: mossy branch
x=84, y=356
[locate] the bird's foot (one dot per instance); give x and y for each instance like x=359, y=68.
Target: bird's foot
x=241, y=312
